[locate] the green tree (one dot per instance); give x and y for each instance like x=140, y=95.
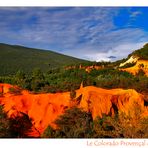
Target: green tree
x=72, y=94
x=20, y=126
x=21, y=79
x=107, y=127
x=20, y=76
x=37, y=80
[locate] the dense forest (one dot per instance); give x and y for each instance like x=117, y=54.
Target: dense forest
x=14, y=58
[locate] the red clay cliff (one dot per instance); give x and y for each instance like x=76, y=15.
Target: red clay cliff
x=43, y=109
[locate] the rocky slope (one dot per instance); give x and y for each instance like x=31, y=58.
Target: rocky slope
x=43, y=109
x=140, y=65
x=86, y=68
x=139, y=58
x=132, y=59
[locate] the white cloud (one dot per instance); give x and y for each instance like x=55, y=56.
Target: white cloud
x=118, y=43
x=135, y=14
x=82, y=32
x=120, y=51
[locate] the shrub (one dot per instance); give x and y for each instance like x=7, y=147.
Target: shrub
x=133, y=125
x=20, y=126
x=4, y=124
x=74, y=123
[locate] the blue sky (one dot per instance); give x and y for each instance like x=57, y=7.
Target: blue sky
x=93, y=33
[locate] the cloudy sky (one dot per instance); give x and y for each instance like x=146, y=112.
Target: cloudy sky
x=93, y=33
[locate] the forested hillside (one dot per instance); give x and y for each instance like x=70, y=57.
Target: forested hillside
x=14, y=58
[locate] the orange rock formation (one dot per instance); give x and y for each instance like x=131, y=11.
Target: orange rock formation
x=141, y=64
x=43, y=109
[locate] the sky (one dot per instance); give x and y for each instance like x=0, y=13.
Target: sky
x=92, y=33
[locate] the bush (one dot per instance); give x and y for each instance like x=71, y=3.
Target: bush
x=107, y=127
x=20, y=126
x=72, y=94
x=4, y=124
x=133, y=125
x=74, y=123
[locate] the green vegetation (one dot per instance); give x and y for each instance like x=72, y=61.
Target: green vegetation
x=38, y=76
x=14, y=58
x=61, y=80
x=76, y=123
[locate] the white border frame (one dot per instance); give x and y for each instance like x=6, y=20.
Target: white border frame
x=74, y=3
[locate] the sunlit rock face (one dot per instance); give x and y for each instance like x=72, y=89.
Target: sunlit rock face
x=140, y=65
x=43, y=109
x=132, y=59
x=100, y=101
